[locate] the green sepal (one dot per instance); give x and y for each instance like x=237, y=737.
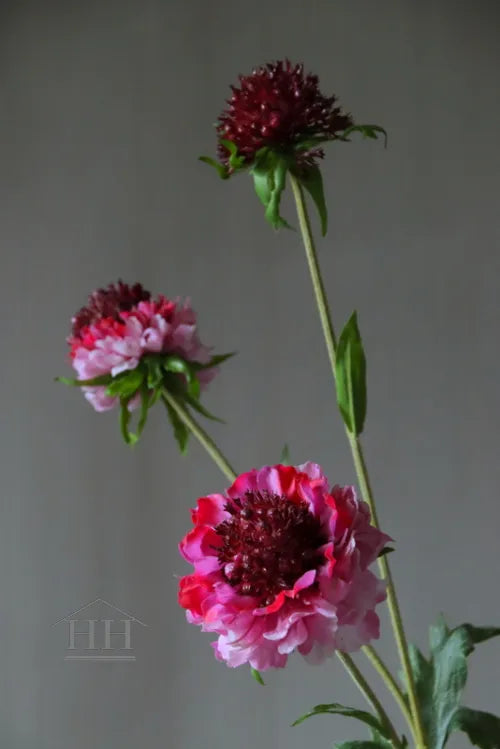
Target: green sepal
x=181, y=432
x=285, y=455
x=194, y=403
x=221, y=168
x=363, y=745
x=312, y=180
x=483, y=729
x=93, y=382
x=125, y=416
x=367, y=131
x=236, y=162
x=126, y=384
x=257, y=676
x=269, y=175
x=154, y=370
x=177, y=365
x=386, y=550
x=350, y=376
x=349, y=712
x=214, y=361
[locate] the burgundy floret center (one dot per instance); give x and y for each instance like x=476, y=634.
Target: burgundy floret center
x=268, y=543
x=109, y=303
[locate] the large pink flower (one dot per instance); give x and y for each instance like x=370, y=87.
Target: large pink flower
x=281, y=563
x=120, y=325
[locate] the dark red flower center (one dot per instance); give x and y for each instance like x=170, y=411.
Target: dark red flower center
x=268, y=543
x=108, y=303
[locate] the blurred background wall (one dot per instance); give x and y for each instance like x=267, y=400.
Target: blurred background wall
x=104, y=108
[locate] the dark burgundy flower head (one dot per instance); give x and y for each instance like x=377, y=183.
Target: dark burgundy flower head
x=279, y=106
x=108, y=303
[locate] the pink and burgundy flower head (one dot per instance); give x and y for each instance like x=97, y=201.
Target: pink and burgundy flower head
x=127, y=347
x=278, y=106
x=281, y=563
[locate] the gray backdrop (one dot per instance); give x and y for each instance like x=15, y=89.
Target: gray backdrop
x=104, y=107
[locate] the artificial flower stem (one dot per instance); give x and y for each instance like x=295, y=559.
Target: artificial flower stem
x=369, y=695
x=314, y=269
x=361, y=470
x=390, y=683
x=200, y=434
x=392, y=601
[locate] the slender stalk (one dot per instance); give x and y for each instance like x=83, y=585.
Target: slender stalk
x=200, y=434
x=221, y=461
x=369, y=695
x=361, y=470
x=390, y=683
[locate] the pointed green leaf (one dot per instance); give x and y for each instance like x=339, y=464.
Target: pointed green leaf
x=483, y=729
x=126, y=384
x=181, y=432
x=125, y=415
x=361, y=745
x=477, y=635
x=178, y=365
x=278, y=184
x=154, y=370
x=236, y=162
x=285, y=456
x=350, y=712
x=220, y=168
x=214, y=361
x=261, y=183
x=258, y=678
x=145, y=405
x=92, y=382
x=194, y=403
x=312, y=181
x=386, y=550
x=350, y=375
x=367, y=131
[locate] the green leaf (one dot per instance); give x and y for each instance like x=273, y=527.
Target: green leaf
x=440, y=681
x=262, y=185
x=350, y=712
x=154, y=370
x=269, y=176
x=386, y=550
x=258, y=678
x=312, y=181
x=94, y=381
x=236, y=162
x=129, y=437
x=126, y=384
x=361, y=745
x=477, y=635
x=181, y=432
x=214, y=361
x=194, y=403
x=145, y=404
x=178, y=365
x=285, y=456
x=483, y=729
x=221, y=168
x=367, y=131
x=350, y=375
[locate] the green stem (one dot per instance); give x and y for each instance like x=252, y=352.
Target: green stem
x=369, y=695
x=390, y=683
x=200, y=434
x=224, y=465
x=361, y=470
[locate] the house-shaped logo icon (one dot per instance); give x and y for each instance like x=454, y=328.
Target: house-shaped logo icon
x=100, y=631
